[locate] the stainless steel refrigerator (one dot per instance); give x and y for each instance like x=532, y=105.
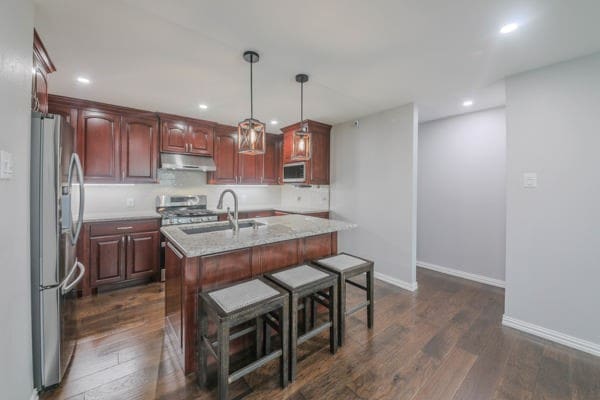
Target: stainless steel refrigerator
x=57, y=202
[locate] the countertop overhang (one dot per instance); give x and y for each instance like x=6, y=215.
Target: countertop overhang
x=275, y=229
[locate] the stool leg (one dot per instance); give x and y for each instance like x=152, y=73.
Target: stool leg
x=306, y=315
x=284, y=325
x=313, y=313
x=293, y=335
x=342, y=309
x=370, y=298
x=267, y=336
x=202, y=332
x=333, y=317
x=223, y=353
x=259, y=337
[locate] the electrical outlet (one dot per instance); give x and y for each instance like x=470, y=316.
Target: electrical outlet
x=130, y=202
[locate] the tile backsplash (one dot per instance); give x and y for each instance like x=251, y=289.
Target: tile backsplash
x=109, y=198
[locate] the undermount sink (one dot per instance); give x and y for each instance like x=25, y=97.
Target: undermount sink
x=217, y=228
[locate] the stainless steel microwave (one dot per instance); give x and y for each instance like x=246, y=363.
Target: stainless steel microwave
x=294, y=172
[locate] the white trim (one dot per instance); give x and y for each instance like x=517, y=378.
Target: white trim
x=461, y=274
x=34, y=395
x=558, y=337
x=397, y=282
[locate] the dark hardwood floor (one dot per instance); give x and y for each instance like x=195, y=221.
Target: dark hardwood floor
x=443, y=342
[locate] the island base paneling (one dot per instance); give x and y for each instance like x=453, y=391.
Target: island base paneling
x=188, y=276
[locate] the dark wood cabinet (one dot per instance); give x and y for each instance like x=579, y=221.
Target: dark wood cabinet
x=119, y=252
x=115, y=144
x=141, y=254
x=226, y=156
x=98, y=139
x=317, y=168
x=139, y=149
x=235, y=168
x=107, y=257
x=42, y=66
x=272, y=160
x=186, y=136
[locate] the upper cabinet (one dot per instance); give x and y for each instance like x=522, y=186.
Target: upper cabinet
x=186, y=136
x=317, y=168
x=235, y=168
x=115, y=144
x=42, y=66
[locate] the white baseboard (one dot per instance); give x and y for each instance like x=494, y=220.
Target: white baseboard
x=397, y=282
x=461, y=274
x=34, y=395
x=554, y=336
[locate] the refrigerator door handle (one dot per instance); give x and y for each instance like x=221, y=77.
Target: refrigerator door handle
x=67, y=216
x=66, y=288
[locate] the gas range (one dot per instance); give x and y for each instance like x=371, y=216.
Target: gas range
x=184, y=209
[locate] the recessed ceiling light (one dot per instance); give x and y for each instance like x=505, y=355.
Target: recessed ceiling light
x=274, y=122
x=467, y=103
x=203, y=106
x=83, y=80
x=508, y=28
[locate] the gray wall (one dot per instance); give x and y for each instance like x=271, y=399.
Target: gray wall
x=462, y=190
x=553, y=232
x=373, y=184
x=16, y=40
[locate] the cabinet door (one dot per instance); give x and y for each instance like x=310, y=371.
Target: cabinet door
x=98, y=141
x=288, y=140
x=107, y=259
x=250, y=169
x=319, y=162
x=142, y=254
x=39, y=88
x=139, y=149
x=226, y=157
x=200, y=139
x=173, y=294
x=174, y=136
x=271, y=160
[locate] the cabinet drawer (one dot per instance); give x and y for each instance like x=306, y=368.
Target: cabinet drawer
x=123, y=227
x=260, y=214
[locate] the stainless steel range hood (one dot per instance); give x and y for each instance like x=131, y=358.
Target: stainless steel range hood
x=186, y=162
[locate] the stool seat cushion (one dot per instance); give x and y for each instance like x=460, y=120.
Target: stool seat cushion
x=341, y=262
x=299, y=276
x=243, y=294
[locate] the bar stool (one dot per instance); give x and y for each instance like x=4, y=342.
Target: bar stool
x=348, y=266
x=233, y=306
x=304, y=282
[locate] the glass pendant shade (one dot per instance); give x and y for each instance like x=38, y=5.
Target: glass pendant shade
x=251, y=137
x=251, y=132
x=301, y=145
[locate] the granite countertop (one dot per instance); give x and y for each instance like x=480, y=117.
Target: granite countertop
x=275, y=229
x=119, y=215
x=288, y=209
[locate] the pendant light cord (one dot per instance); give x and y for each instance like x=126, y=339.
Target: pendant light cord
x=301, y=104
x=251, y=98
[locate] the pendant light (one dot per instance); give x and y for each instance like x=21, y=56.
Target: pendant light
x=251, y=132
x=301, y=146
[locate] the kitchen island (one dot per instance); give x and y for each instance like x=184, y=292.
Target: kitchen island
x=201, y=257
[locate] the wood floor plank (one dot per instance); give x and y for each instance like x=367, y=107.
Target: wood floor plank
x=444, y=341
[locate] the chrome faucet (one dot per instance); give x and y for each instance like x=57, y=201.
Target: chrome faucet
x=233, y=220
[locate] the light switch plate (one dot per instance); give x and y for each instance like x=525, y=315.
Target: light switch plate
x=6, y=165
x=530, y=180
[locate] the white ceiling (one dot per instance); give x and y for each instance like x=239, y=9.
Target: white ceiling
x=362, y=56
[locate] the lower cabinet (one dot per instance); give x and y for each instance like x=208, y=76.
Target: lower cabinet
x=120, y=252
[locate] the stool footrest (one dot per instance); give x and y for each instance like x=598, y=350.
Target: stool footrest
x=320, y=299
x=254, y=366
x=314, y=332
x=358, y=285
x=358, y=307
